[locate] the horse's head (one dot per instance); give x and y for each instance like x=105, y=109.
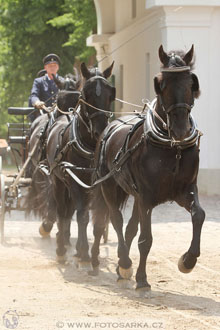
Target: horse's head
x=67, y=100
x=68, y=94
x=97, y=94
x=177, y=87
x=70, y=82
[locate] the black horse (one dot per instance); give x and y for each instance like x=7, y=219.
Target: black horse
x=71, y=147
x=155, y=158
x=66, y=100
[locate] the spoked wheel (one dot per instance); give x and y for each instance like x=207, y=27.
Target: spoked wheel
x=2, y=206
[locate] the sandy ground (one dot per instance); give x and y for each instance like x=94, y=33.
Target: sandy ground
x=40, y=294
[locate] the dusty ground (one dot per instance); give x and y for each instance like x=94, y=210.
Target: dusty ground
x=46, y=295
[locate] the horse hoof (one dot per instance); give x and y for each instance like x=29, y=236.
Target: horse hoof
x=182, y=266
x=94, y=272
x=61, y=259
x=43, y=232
x=84, y=265
x=126, y=273
x=123, y=283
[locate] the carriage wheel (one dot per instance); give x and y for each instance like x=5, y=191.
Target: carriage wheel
x=2, y=206
x=105, y=234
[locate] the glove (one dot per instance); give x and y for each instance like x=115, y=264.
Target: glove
x=39, y=104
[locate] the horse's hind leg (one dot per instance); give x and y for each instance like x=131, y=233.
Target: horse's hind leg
x=191, y=202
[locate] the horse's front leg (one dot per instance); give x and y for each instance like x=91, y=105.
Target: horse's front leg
x=124, y=268
x=61, y=250
x=100, y=217
x=144, y=246
x=82, y=246
x=132, y=226
x=63, y=234
x=49, y=219
x=64, y=210
x=111, y=193
x=191, y=202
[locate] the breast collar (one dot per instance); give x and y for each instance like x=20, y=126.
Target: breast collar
x=159, y=137
x=76, y=140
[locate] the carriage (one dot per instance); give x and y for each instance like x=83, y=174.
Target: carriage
x=13, y=185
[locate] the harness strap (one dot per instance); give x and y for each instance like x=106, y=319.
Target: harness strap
x=78, y=145
x=116, y=168
x=61, y=153
x=120, y=162
x=74, y=142
x=178, y=157
x=127, y=139
x=110, y=131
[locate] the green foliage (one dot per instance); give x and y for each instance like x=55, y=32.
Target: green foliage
x=30, y=29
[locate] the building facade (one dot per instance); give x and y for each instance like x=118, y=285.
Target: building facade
x=130, y=33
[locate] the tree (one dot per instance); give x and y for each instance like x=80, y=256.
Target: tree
x=29, y=30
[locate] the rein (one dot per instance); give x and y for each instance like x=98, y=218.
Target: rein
x=108, y=114
x=152, y=107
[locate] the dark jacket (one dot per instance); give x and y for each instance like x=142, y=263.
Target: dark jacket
x=45, y=90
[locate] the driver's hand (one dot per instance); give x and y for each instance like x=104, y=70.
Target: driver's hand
x=39, y=104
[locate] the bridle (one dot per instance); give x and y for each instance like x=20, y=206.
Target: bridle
x=174, y=106
x=68, y=86
x=89, y=116
x=186, y=106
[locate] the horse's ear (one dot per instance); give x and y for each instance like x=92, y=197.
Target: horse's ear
x=107, y=73
x=157, y=85
x=195, y=85
x=58, y=82
x=164, y=58
x=85, y=72
x=189, y=56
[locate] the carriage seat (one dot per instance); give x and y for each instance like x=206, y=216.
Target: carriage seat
x=17, y=139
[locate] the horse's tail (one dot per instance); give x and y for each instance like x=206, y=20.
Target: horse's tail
x=36, y=200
